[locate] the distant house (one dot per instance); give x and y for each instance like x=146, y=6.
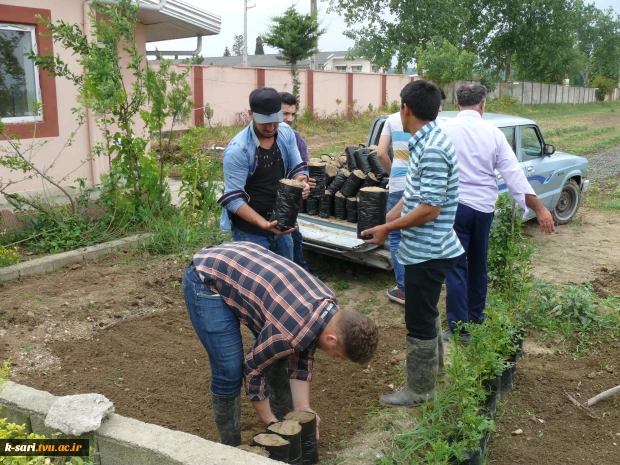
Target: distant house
x=24, y=84
x=327, y=61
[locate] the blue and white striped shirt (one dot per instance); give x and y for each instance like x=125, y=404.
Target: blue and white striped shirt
x=433, y=179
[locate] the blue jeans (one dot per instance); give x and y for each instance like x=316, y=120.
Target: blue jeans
x=399, y=269
x=298, y=253
x=466, y=284
x=218, y=329
x=282, y=245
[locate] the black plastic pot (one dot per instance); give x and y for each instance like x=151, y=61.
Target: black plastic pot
x=312, y=206
x=352, y=210
x=309, y=448
x=371, y=209
x=353, y=183
x=278, y=452
x=326, y=205
x=361, y=156
x=317, y=172
x=351, y=159
x=518, y=339
x=492, y=387
x=473, y=457
x=340, y=206
x=338, y=181
x=508, y=374
x=484, y=442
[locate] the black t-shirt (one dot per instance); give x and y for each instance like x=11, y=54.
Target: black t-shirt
x=262, y=187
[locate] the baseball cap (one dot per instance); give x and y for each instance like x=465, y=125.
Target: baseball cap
x=266, y=105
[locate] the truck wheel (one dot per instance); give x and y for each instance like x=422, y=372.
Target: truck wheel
x=568, y=203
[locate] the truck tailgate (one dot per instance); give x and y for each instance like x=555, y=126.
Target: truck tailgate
x=339, y=239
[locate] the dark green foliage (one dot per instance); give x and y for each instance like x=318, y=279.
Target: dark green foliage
x=258, y=50
x=237, y=48
x=510, y=255
x=297, y=38
x=545, y=41
x=226, y=52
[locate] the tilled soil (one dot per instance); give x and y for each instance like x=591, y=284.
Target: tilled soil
x=122, y=331
x=118, y=327
x=555, y=431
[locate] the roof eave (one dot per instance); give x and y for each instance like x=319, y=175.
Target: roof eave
x=178, y=20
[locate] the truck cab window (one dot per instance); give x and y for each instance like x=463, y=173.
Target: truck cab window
x=531, y=146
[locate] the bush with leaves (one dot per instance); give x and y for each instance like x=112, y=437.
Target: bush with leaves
x=604, y=87
x=107, y=61
x=510, y=254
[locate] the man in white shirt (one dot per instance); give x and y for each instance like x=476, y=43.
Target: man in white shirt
x=481, y=148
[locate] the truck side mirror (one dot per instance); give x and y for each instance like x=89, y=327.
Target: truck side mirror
x=549, y=149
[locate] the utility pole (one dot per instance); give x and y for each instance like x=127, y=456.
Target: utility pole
x=245, y=31
x=313, y=10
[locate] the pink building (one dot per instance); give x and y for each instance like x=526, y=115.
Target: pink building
x=20, y=30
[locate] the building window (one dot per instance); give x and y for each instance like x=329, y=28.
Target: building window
x=341, y=68
x=20, y=92
x=356, y=68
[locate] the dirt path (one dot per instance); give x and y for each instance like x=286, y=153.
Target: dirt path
x=578, y=251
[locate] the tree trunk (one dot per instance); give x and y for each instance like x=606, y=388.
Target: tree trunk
x=508, y=62
x=296, y=83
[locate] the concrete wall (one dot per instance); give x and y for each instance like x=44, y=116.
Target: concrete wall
x=534, y=93
x=121, y=440
x=395, y=83
x=367, y=91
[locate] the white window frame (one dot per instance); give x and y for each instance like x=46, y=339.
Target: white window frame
x=33, y=35
x=341, y=66
x=357, y=65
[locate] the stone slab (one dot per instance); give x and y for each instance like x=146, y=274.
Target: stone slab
x=54, y=262
x=122, y=440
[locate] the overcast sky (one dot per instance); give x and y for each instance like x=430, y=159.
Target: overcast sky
x=231, y=12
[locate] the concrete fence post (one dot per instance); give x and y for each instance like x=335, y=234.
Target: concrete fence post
x=383, y=99
x=350, y=94
x=310, y=90
x=199, y=104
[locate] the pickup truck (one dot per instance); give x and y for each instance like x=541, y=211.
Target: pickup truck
x=558, y=179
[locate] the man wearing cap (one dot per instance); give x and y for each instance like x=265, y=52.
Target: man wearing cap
x=255, y=161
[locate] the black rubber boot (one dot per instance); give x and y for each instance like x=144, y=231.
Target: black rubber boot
x=421, y=369
x=280, y=397
x=227, y=414
x=441, y=374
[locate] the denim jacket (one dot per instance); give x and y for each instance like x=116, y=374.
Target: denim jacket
x=240, y=159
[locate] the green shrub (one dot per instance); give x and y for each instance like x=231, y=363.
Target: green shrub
x=504, y=104
x=604, y=86
x=9, y=256
x=510, y=254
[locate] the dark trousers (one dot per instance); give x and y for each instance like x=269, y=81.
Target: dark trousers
x=422, y=287
x=466, y=284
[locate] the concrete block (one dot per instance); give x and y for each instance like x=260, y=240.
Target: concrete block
x=122, y=440
x=26, y=405
x=8, y=273
x=17, y=416
x=34, y=267
x=26, y=398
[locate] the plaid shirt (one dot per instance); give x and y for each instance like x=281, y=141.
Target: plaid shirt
x=284, y=306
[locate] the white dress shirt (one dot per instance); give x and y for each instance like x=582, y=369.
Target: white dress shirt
x=482, y=148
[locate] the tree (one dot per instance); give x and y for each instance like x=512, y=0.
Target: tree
x=606, y=52
x=398, y=27
x=445, y=63
x=237, y=48
x=226, y=52
x=297, y=38
x=259, y=46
